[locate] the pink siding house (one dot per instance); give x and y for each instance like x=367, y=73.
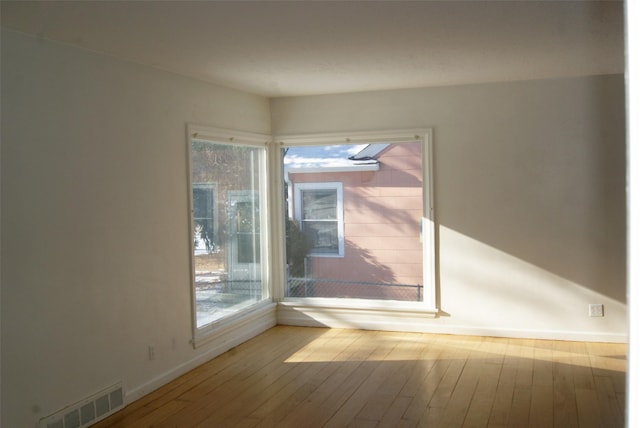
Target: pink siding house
x=363, y=218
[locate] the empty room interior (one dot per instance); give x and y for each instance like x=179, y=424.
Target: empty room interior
x=314, y=214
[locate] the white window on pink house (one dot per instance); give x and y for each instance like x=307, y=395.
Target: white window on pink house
x=320, y=216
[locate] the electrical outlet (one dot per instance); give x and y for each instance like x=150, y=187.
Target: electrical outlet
x=596, y=310
x=152, y=352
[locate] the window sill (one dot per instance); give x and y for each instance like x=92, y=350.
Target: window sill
x=360, y=304
x=326, y=256
x=356, y=314
x=257, y=317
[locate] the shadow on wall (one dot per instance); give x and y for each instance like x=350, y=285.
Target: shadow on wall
x=358, y=265
x=358, y=275
x=373, y=207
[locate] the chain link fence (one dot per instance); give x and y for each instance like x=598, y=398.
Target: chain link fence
x=319, y=287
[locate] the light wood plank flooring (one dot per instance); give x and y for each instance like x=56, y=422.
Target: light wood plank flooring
x=311, y=377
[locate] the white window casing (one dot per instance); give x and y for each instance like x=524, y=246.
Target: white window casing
x=299, y=189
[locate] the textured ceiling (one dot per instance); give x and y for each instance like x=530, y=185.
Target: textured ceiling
x=306, y=47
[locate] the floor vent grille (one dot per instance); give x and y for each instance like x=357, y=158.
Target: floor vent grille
x=88, y=411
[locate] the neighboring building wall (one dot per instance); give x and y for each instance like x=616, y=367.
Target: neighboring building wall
x=382, y=214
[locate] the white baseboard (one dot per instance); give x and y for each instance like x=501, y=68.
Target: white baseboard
x=419, y=322
x=223, y=339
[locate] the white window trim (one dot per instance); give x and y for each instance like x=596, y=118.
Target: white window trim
x=335, y=185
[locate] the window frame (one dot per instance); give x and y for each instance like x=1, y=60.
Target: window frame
x=299, y=188
x=314, y=307
x=209, y=332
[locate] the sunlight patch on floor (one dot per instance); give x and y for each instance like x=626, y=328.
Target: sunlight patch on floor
x=390, y=346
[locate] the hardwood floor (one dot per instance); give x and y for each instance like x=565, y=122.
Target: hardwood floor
x=310, y=377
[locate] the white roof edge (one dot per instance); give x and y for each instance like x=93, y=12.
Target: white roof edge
x=346, y=168
x=370, y=152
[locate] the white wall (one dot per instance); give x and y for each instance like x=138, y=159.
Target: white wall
x=529, y=198
x=94, y=217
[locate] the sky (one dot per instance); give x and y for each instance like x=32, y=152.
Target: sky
x=321, y=156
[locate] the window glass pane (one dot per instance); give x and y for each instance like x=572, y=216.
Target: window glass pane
x=323, y=236
x=202, y=203
x=226, y=228
x=204, y=239
x=354, y=221
x=319, y=204
x=248, y=232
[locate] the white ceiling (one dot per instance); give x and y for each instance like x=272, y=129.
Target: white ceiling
x=307, y=47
